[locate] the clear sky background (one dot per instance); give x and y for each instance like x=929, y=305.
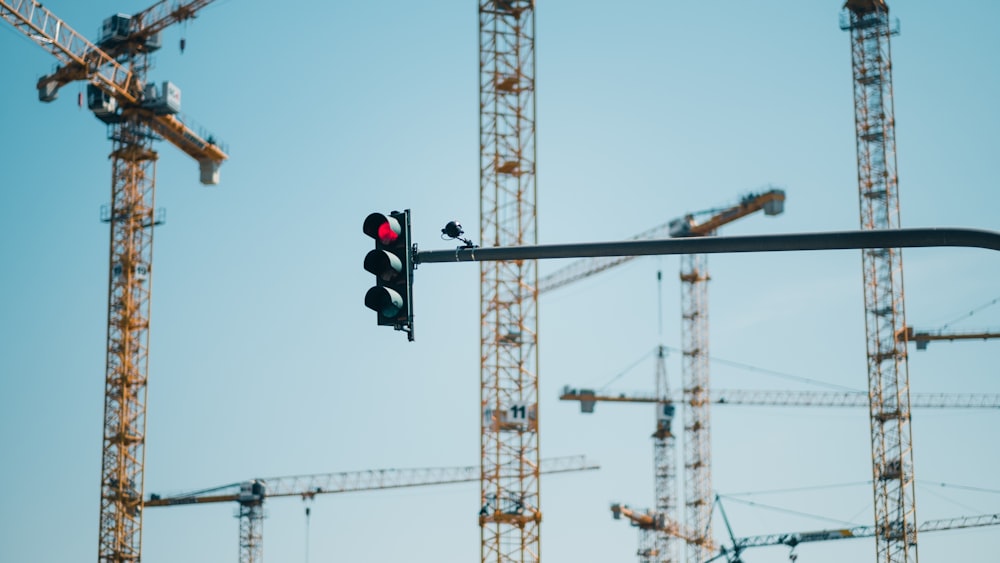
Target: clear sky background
x=265, y=362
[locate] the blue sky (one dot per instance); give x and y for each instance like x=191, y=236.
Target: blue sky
x=264, y=360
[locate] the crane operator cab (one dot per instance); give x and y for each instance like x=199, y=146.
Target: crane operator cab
x=104, y=106
x=118, y=29
x=252, y=491
x=165, y=100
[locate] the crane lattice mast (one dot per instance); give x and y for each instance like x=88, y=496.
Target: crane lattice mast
x=664, y=464
x=695, y=372
x=510, y=515
x=132, y=221
x=885, y=319
x=695, y=376
x=136, y=116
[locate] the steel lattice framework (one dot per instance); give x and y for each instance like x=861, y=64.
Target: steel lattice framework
x=648, y=550
x=251, y=515
x=132, y=219
x=885, y=319
x=664, y=465
x=510, y=516
x=695, y=375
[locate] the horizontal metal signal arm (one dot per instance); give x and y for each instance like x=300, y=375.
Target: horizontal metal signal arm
x=836, y=240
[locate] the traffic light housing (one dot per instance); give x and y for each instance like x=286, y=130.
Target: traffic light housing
x=392, y=263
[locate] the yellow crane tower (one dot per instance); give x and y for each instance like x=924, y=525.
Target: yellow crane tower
x=510, y=517
x=694, y=329
x=136, y=113
x=251, y=494
x=882, y=274
x=694, y=367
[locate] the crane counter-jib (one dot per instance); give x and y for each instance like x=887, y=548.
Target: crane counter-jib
x=156, y=501
x=207, y=152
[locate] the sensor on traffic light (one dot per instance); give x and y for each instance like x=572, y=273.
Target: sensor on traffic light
x=392, y=263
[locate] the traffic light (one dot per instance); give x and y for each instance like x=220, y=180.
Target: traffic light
x=392, y=263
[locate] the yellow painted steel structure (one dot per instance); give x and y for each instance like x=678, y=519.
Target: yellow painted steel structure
x=664, y=462
x=510, y=513
x=882, y=272
x=119, y=71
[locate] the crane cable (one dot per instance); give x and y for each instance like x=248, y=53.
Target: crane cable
x=970, y=313
x=789, y=511
x=732, y=363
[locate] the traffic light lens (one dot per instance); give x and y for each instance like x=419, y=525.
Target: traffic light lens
x=385, y=229
x=384, y=301
x=386, y=234
x=385, y=265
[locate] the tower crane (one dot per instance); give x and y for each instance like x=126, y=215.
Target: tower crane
x=136, y=113
x=509, y=446
x=882, y=275
x=694, y=329
x=694, y=371
x=251, y=494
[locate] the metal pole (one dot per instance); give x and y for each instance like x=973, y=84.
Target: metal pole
x=836, y=240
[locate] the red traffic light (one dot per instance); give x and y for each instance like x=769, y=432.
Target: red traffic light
x=392, y=263
x=384, y=229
